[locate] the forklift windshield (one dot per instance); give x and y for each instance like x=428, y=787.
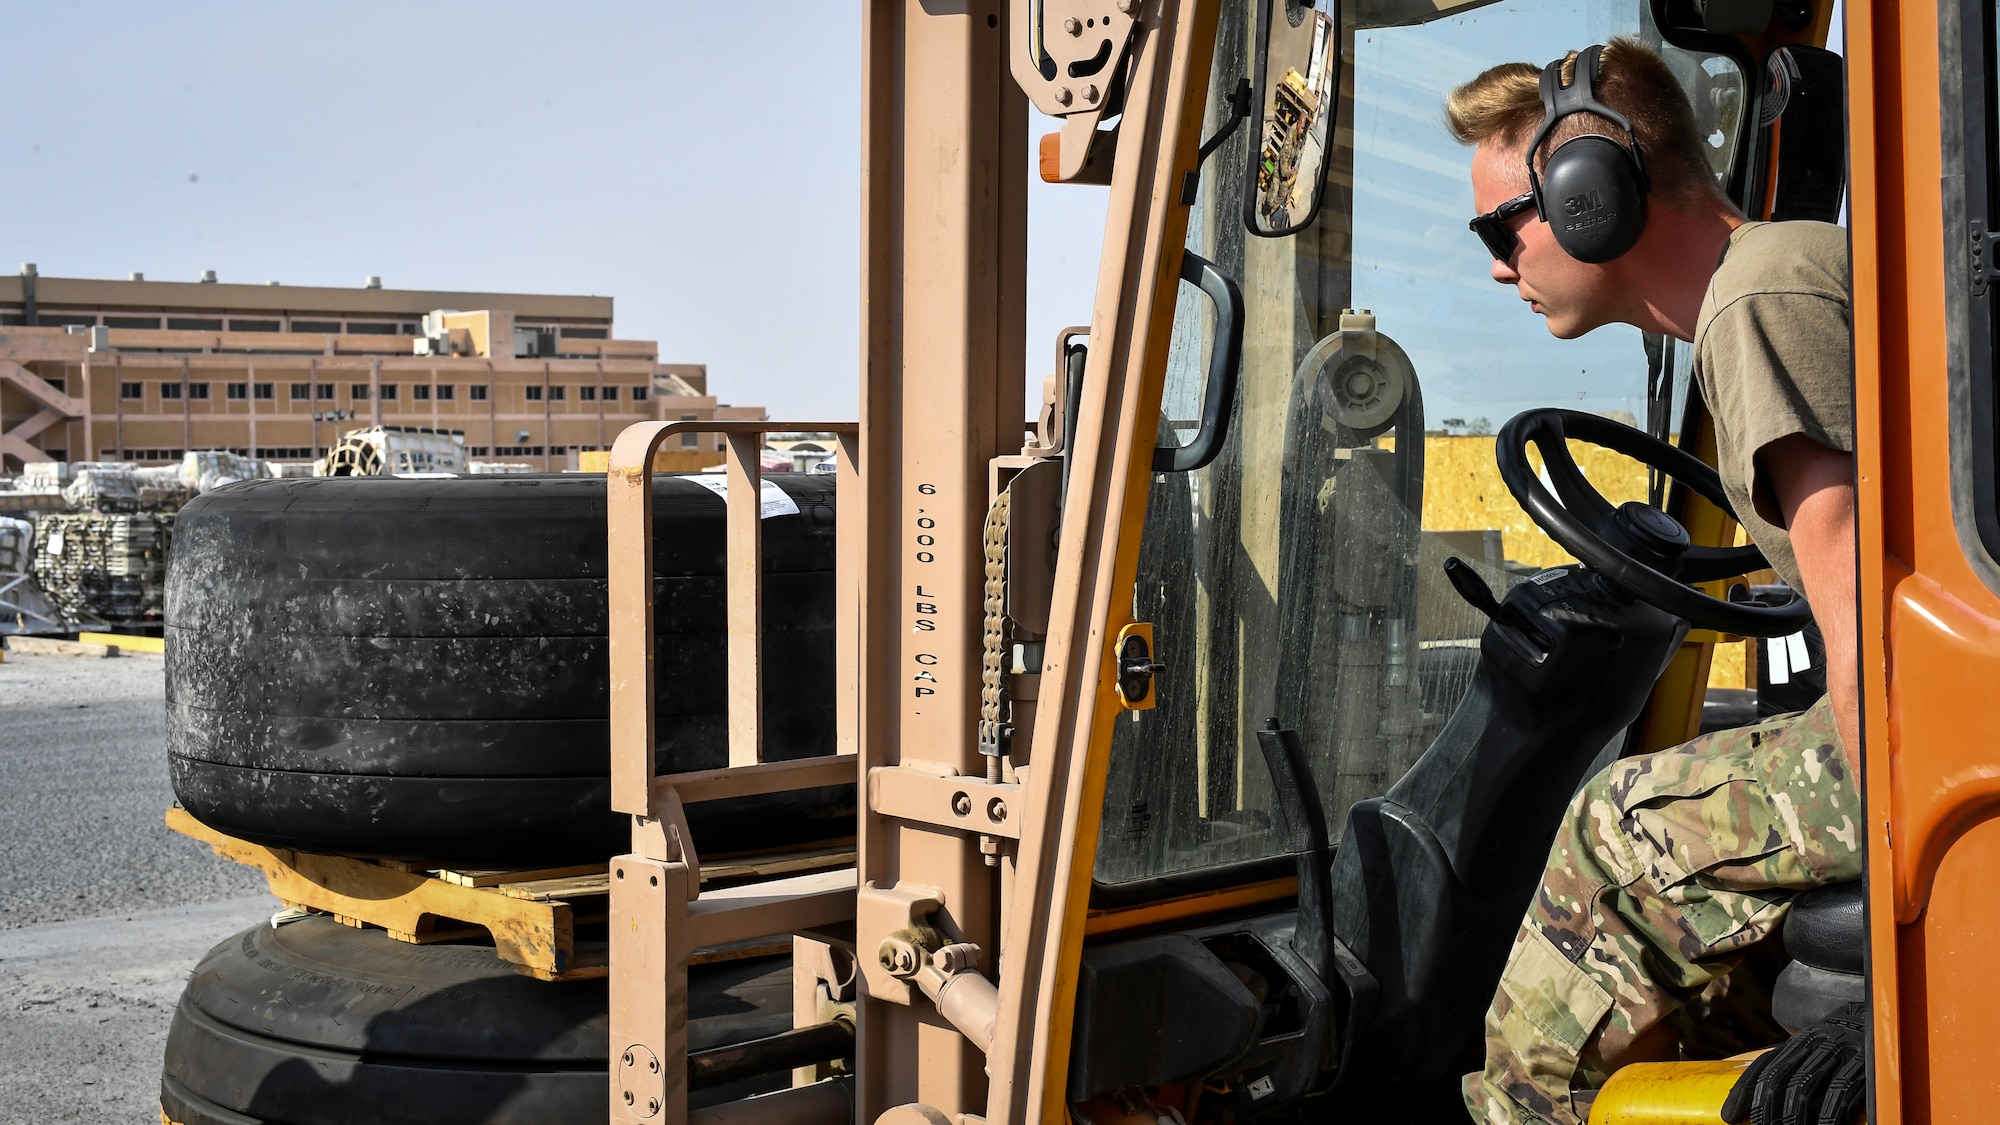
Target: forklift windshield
x=1298, y=576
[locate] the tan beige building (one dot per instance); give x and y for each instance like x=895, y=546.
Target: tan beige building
x=143, y=371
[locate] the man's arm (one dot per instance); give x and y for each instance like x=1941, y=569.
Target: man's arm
x=1814, y=490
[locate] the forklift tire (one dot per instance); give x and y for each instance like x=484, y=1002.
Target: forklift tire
x=417, y=668
x=317, y=1023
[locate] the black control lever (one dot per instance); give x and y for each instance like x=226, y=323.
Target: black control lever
x=1471, y=587
x=1306, y=838
x=1479, y=595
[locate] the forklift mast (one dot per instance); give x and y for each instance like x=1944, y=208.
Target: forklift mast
x=952, y=948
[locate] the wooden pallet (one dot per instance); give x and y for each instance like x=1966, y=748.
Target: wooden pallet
x=530, y=913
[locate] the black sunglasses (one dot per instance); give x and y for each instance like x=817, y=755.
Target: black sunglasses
x=1493, y=230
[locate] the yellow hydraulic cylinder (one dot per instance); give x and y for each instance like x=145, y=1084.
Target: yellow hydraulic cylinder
x=1674, y=1093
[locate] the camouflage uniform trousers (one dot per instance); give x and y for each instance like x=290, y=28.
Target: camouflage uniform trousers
x=1667, y=871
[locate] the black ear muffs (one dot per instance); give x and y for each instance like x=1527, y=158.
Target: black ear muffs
x=1593, y=192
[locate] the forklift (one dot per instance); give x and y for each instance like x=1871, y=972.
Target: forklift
x=1206, y=771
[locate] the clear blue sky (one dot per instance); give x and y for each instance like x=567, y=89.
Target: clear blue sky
x=698, y=162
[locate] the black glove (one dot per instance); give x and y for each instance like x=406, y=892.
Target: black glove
x=1817, y=1077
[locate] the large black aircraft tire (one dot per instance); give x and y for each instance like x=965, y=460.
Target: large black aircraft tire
x=418, y=667
x=316, y=1023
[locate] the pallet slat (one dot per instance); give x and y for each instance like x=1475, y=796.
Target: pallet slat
x=543, y=890
x=495, y=877
x=789, y=863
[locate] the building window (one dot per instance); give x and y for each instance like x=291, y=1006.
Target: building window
x=586, y=394
x=264, y=391
x=421, y=392
x=132, y=390
x=301, y=392
x=610, y=394
x=534, y=393
x=152, y=322
x=358, y=392
x=388, y=392
x=556, y=394
x=475, y=451
x=690, y=439
x=170, y=390
x=237, y=390
x=362, y=328
x=193, y=324
x=315, y=326
x=326, y=391
x=586, y=333
x=638, y=394
x=476, y=393
x=198, y=390
x=236, y=325
x=447, y=392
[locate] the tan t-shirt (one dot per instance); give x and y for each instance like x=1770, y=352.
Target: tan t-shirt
x=1774, y=356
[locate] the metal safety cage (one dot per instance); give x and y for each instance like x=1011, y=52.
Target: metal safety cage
x=659, y=913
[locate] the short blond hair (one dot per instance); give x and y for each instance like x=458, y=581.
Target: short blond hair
x=1504, y=104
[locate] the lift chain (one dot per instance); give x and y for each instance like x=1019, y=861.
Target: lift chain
x=993, y=727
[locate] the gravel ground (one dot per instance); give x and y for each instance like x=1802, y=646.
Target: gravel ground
x=102, y=910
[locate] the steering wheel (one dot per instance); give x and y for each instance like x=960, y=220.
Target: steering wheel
x=1636, y=547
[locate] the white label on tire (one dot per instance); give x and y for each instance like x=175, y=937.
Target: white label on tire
x=773, y=501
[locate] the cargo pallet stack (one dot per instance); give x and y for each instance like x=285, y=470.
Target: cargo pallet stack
x=103, y=566
x=87, y=542
x=23, y=606
x=394, y=451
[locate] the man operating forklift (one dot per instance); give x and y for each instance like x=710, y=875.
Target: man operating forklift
x=1599, y=207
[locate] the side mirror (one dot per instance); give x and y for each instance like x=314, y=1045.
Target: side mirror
x=1297, y=68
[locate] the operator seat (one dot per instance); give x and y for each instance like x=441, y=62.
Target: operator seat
x=1827, y=935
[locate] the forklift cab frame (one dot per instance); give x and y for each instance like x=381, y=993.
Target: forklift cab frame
x=1057, y=654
